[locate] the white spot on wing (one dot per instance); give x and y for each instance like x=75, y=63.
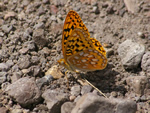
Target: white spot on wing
x=81, y=53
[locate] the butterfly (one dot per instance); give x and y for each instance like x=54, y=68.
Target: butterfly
x=80, y=51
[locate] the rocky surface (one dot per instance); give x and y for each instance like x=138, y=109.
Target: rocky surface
x=30, y=45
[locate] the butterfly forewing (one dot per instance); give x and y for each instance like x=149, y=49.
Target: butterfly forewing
x=77, y=41
x=72, y=21
x=98, y=46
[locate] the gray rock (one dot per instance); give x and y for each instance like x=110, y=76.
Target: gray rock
x=7, y=28
x=15, y=76
x=75, y=90
x=130, y=53
x=86, y=89
x=38, y=37
x=92, y=103
x=146, y=63
x=4, y=110
x=23, y=50
x=9, y=14
x=16, y=110
x=45, y=1
x=30, y=8
x=137, y=84
x=44, y=80
x=27, y=33
x=4, y=85
x=39, y=25
x=15, y=68
x=3, y=77
x=35, y=70
x=67, y=107
x=30, y=45
x=10, y=63
x=53, y=17
x=54, y=100
x=35, y=59
x=41, y=10
x=24, y=62
x=132, y=5
x=24, y=91
x=4, y=67
x=96, y=10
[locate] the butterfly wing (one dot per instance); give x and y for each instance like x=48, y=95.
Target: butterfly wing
x=84, y=53
x=88, y=60
x=97, y=45
x=72, y=21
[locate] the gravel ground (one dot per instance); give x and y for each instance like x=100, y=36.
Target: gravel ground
x=30, y=45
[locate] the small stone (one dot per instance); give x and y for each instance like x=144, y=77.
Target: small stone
x=75, y=90
x=72, y=97
x=132, y=5
x=146, y=63
x=141, y=35
x=53, y=17
x=24, y=62
x=54, y=100
x=30, y=45
x=4, y=67
x=53, y=9
x=23, y=50
x=90, y=103
x=10, y=63
x=96, y=10
x=15, y=68
x=114, y=94
x=109, y=52
x=55, y=72
x=44, y=80
x=137, y=84
x=39, y=25
x=16, y=76
x=35, y=59
x=4, y=85
x=9, y=14
x=130, y=53
x=41, y=10
x=21, y=16
x=22, y=93
x=7, y=28
x=25, y=71
x=3, y=77
x=35, y=70
x=16, y=110
x=45, y=1
x=67, y=107
x=38, y=37
x=4, y=110
x=86, y=89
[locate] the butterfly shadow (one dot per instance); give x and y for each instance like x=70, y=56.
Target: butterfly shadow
x=105, y=80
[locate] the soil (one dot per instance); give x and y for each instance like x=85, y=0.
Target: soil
x=110, y=22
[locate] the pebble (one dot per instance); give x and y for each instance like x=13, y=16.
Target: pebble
x=22, y=93
x=4, y=67
x=75, y=90
x=131, y=53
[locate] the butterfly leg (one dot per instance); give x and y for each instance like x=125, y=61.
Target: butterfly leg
x=67, y=79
